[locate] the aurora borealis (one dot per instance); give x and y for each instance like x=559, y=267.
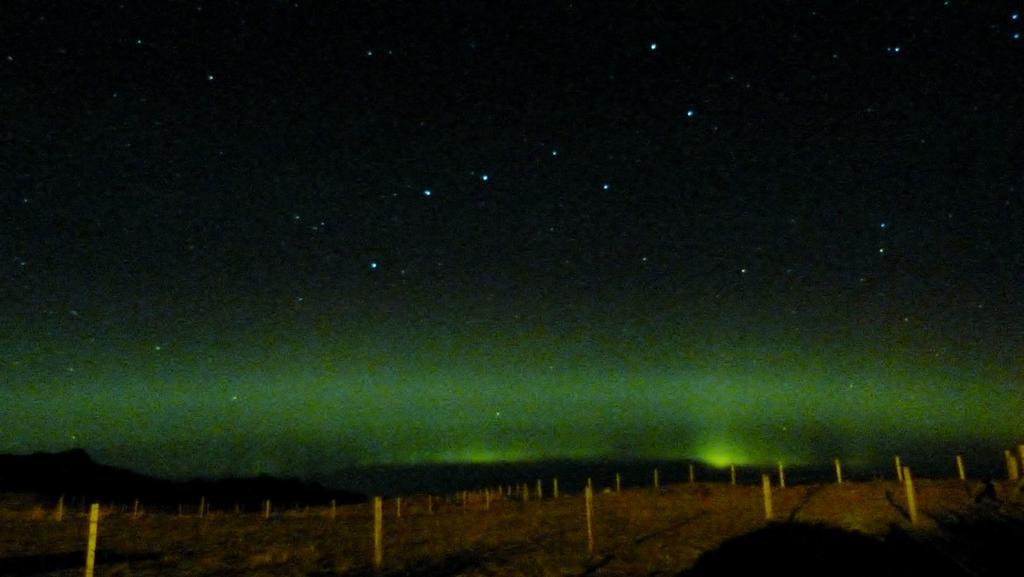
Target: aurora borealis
x=294, y=237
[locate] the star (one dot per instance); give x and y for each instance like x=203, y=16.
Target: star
x=691, y=113
x=373, y=265
x=427, y=192
x=484, y=177
x=653, y=46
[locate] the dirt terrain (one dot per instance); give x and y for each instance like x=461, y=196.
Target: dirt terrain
x=823, y=528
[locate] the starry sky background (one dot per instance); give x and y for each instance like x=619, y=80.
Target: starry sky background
x=294, y=237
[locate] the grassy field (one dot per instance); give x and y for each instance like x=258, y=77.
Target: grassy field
x=636, y=532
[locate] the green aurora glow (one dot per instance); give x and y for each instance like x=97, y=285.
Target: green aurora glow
x=473, y=390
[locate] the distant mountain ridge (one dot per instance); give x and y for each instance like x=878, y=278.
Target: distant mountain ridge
x=74, y=474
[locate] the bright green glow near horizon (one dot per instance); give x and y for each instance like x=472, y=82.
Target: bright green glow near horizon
x=478, y=456
x=722, y=455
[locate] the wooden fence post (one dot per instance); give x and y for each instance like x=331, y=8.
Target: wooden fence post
x=960, y=468
x=839, y=472
x=1011, y=466
x=430, y=504
x=540, y=490
x=398, y=507
x=656, y=483
x=554, y=487
x=766, y=489
x=90, y=551
x=60, y=509
x=911, y=498
x=782, y=476
x=135, y=509
x=899, y=470
x=266, y=509
x=378, y=532
x=589, y=502
x=618, y=482
x=693, y=474
x=732, y=474
x=487, y=499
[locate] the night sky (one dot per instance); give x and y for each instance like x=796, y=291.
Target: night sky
x=293, y=237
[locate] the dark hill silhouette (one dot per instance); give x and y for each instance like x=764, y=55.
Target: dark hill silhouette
x=973, y=545
x=74, y=474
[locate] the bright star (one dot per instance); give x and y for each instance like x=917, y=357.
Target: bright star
x=606, y=186
x=484, y=177
x=691, y=113
x=654, y=46
x=427, y=192
x=373, y=265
